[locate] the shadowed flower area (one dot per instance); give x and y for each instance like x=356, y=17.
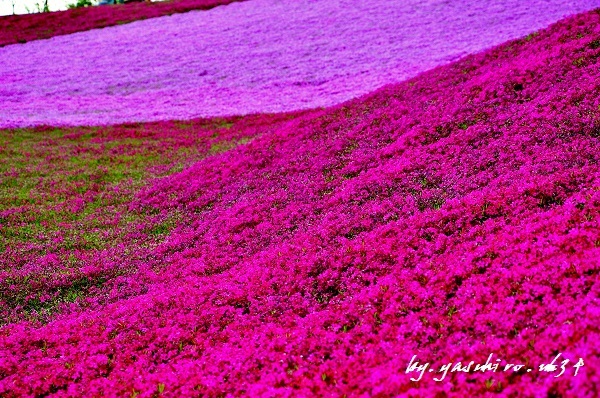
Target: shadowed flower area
x=450, y=216
x=252, y=57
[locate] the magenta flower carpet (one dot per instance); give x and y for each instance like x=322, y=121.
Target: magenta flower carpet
x=436, y=235
x=251, y=57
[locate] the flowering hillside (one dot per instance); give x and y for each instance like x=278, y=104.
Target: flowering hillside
x=23, y=28
x=251, y=57
x=450, y=216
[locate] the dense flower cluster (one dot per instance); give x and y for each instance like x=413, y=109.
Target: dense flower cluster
x=251, y=57
x=449, y=216
x=23, y=28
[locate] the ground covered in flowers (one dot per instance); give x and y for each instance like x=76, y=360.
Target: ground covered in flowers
x=23, y=28
x=450, y=216
x=252, y=56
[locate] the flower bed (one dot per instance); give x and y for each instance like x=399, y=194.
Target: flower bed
x=251, y=57
x=23, y=28
x=450, y=216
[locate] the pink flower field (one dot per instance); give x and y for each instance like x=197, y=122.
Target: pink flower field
x=23, y=28
x=251, y=57
x=285, y=243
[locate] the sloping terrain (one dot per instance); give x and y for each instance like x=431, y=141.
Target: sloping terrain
x=450, y=216
x=23, y=28
x=66, y=194
x=252, y=57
